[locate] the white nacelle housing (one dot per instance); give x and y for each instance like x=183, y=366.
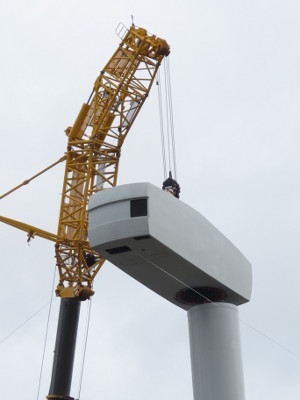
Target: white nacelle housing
x=167, y=246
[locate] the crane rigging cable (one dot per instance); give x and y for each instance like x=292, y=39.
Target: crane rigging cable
x=167, y=135
x=166, y=121
x=46, y=334
x=85, y=339
x=162, y=133
x=63, y=158
x=196, y=291
x=167, y=62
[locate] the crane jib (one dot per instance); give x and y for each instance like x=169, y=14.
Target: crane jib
x=94, y=147
x=93, y=152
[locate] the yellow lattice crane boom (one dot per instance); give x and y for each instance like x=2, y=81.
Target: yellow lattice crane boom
x=93, y=152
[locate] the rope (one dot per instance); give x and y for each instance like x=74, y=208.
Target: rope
x=46, y=334
x=162, y=133
x=219, y=305
x=87, y=325
x=63, y=158
x=178, y=280
x=167, y=115
x=28, y=319
x=167, y=121
x=169, y=92
x=23, y=323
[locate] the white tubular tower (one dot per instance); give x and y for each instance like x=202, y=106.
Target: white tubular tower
x=216, y=360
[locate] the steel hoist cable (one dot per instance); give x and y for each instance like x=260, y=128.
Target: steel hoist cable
x=171, y=118
x=161, y=122
x=167, y=130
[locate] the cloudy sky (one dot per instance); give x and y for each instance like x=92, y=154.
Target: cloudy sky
x=235, y=71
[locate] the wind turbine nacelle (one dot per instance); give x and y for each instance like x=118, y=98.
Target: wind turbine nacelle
x=168, y=246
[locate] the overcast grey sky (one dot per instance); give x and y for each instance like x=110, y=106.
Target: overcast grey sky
x=235, y=71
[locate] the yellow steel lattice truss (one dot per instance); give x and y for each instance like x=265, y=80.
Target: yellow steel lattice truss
x=93, y=152
x=94, y=145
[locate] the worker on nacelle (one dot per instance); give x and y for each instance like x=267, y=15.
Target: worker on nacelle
x=171, y=186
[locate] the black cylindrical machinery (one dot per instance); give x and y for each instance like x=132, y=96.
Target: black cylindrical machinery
x=64, y=352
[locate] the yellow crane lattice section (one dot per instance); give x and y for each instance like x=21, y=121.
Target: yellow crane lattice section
x=93, y=152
